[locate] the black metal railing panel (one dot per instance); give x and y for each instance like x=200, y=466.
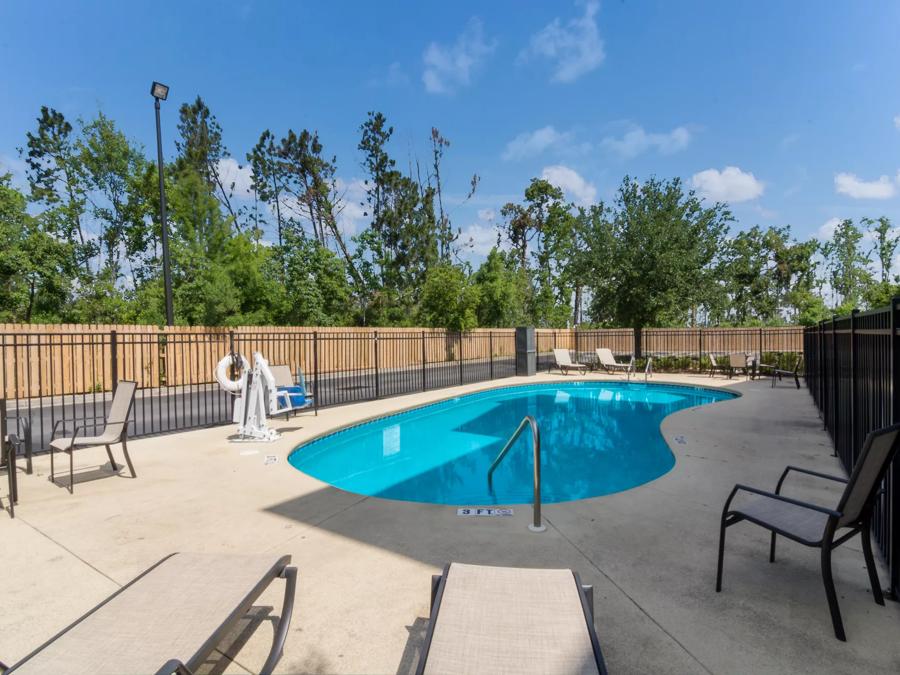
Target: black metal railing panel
x=852, y=371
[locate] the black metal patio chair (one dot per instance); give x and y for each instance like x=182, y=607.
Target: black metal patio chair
x=778, y=373
x=10, y=444
x=817, y=526
x=114, y=431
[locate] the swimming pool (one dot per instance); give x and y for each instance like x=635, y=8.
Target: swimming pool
x=596, y=438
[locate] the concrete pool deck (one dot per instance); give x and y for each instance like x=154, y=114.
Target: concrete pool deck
x=365, y=563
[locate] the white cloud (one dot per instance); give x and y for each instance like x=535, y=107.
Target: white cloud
x=532, y=143
x=849, y=184
x=729, y=185
x=479, y=238
x=237, y=178
x=395, y=77
x=575, y=48
x=897, y=121
x=486, y=214
x=638, y=141
x=572, y=183
x=16, y=167
x=448, y=68
x=826, y=229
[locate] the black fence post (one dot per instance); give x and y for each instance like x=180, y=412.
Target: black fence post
x=821, y=375
x=700, y=350
x=316, y=370
x=575, y=330
x=760, y=345
x=460, y=355
x=377, y=386
x=834, y=385
x=853, y=359
x=423, y=360
x=114, y=359
x=893, y=591
x=491, y=351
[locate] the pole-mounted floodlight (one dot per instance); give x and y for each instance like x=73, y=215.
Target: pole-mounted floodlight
x=160, y=92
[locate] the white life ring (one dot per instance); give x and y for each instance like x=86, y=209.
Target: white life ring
x=222, y=375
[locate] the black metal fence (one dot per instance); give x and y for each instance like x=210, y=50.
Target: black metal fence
x=70, y=373
x=853, y=375
x=48, y=377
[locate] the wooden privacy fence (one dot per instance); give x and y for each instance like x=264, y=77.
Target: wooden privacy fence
x=76, y=359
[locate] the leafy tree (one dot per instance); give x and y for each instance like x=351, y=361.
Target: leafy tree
x=449, y=300
x=847, y=265
x=652, y=254
x=502, y=291
x=35, y=268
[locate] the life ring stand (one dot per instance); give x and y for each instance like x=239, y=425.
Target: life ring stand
x=223, y=376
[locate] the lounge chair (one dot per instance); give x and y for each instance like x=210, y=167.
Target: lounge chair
x=564, y=362
x=114, y=431
x=168, y=619
x=510, y=620
x=778, y=373
x=610, y=365
x=817, y=526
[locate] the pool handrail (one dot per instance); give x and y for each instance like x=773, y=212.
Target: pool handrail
x=527, y=421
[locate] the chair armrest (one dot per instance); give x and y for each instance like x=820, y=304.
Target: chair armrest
x=782, y=498
x=80, y=421
x=817, y=474
x=174, y=666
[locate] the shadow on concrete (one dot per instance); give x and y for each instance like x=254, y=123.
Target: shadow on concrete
x=61, y=478
x=413, y=649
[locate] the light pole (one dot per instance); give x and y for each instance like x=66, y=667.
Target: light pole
x=160, y=92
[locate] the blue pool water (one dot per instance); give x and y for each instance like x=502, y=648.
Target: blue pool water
x=596, y=438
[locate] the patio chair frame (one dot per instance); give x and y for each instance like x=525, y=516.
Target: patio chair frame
x=9, y=448
x=121, y=438
x=860, y=523
x=281, y=570
x=779, y=373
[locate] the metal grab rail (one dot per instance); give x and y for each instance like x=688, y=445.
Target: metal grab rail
x=527, y=421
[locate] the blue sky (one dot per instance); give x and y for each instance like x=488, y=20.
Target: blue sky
x=788, y=111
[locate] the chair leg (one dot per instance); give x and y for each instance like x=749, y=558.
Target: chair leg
x=71, y=472
x=828, y=580
x=721, y=554
x=128, y=458
x=870, y=565
x=52, y=476
x=772, y=549
x=112, y=462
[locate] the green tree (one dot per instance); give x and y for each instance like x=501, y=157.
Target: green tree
x=847, y=266
x=449, y=300
x=502, y=291
x=652, y=255
x=35, y=267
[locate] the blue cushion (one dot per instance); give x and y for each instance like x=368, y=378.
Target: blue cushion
x=295, y=395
